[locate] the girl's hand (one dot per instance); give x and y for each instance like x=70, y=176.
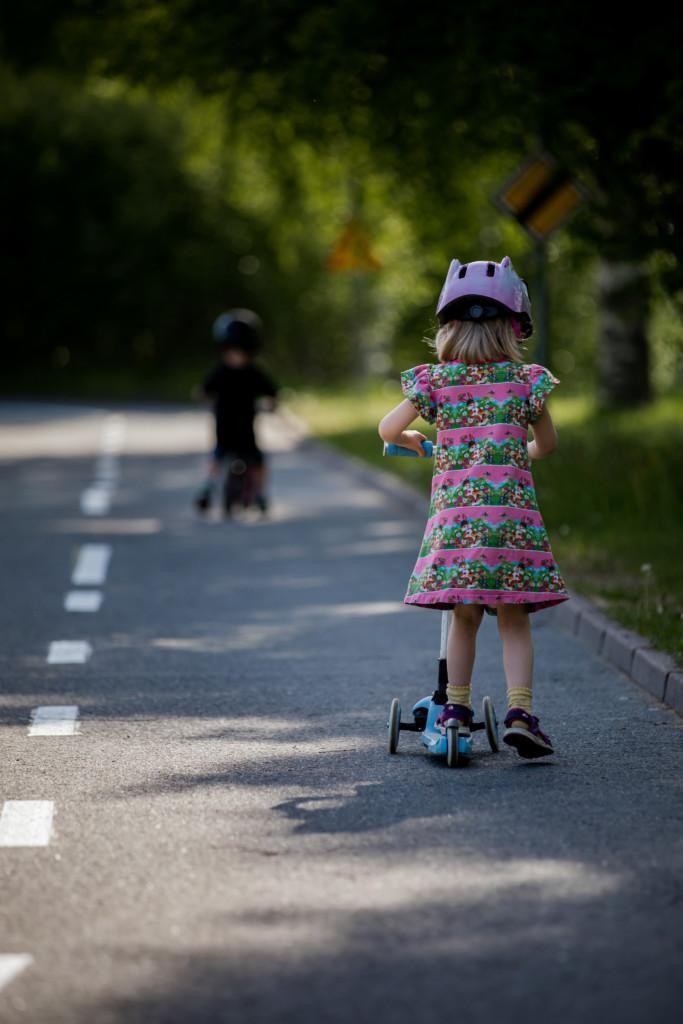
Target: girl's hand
x=412, y=439
x=392, y=429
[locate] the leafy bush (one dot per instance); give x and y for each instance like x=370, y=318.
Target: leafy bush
x=116, y=256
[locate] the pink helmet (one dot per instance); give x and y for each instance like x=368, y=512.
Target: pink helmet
x=483, y=290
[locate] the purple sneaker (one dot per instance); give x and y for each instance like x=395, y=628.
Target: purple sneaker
x=463, y=715
x=527, y=739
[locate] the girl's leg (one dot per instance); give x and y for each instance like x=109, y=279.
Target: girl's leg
x=203, y=498
x=523, y=734
x=212, y=471
x=518, y=654
x=260, y=486
x=462, y=645
x=259, y=476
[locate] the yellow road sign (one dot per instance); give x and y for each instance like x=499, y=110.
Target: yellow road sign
x=353, y=250
x=541, y=196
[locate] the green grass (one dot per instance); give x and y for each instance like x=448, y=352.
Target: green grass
x=611, y=496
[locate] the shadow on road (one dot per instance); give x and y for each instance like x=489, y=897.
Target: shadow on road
x=442, y=948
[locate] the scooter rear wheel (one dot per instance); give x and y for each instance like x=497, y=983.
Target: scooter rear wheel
x=233, y=488
x=394, y=724
x=491, y=723
x=452, y=746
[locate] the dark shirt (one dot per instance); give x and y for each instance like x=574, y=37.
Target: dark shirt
x=234, y=391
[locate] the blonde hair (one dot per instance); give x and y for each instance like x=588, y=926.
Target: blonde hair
x=470, y=341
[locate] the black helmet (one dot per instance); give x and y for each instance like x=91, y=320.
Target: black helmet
x=238, y=328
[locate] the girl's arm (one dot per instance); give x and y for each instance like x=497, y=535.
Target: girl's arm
x=392, y=428
x=545, y=436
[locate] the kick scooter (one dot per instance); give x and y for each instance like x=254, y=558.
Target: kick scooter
x=450, y=742
x=239, y=488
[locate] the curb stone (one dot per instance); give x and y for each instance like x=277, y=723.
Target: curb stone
x=644, y=665
x=673, y=695
x=653, y=670
x=649, y=668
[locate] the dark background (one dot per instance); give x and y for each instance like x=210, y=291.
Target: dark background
x=164, y=161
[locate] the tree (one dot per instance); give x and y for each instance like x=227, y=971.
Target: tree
x=599, y=87
x=115, y=253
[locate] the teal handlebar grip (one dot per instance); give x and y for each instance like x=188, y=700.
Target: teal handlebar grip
x=397, y=449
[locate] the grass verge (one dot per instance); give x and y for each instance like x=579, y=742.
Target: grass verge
x=611, y=496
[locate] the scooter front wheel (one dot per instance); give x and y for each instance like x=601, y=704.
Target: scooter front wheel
x=452, y=746
x=394, y=724
x=491, y=723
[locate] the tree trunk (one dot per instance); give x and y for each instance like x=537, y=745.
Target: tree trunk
x=623, y=364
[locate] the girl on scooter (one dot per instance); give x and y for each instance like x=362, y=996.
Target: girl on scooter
x=485, y=546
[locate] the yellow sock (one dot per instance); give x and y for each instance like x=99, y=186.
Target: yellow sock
x=520, y=697
x=459, y=694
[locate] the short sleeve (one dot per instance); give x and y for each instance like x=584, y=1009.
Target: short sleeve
x=417, y=388
x=542, y=383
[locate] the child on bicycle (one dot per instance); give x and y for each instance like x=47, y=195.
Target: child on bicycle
x=485, y=547
x=234, y=386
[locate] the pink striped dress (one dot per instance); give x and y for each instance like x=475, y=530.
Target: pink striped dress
x=485, y=541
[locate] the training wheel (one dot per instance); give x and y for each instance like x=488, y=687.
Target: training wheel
x=491, y=723
x=452, y=746
x=394, y=724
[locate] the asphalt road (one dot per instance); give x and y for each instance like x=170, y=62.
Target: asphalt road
x=230, y=840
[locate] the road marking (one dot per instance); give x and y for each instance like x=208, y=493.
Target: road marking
x=96, y=499
x=83, y=600
x=26, y=822
x=112, y=445
x=114, y=433
x=68, y=652
x=11, y=965
x=91, y=565
x=54, y=720
x=107, y=468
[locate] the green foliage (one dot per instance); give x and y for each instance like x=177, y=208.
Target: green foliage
x=117, y=251
x=133, y=219
x=427, y=87
x=166, y=160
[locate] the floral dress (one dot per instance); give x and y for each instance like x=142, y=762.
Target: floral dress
x=485, y=542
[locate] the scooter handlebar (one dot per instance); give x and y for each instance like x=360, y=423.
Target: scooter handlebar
x=397, y=449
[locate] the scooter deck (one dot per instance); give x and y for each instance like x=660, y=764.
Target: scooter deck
x=432, y=738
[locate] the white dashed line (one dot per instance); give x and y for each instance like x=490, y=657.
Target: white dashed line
x=11, y=965
x=54, y=720
x=107, y=468
x=96, y=499
x=26, y=822
x=114, y=433
x=83, y=600
x=91, y=565
x=68, y=652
